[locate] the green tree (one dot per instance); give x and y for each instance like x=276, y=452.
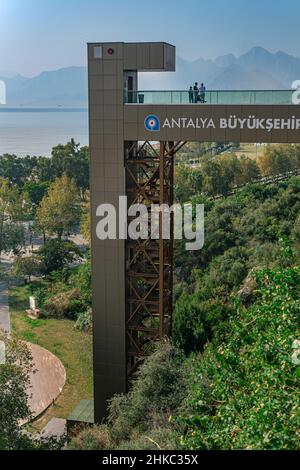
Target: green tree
x=57, y=254
x=36, y=191
x=13, y=209
x=249, y=171
x=12, y=168
x=15, y=369
x=188, y=183
x=14, y=381
x=72, y=160
x=85, y=224
x=278, y=159
x=197, y=317
x=26, y=267
x=244, y=390
x=59, y=212
x=81, y=278
x=215, y=182
x=43, y=171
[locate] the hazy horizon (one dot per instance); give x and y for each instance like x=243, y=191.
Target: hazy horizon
x=213, y=59
x=52, y=34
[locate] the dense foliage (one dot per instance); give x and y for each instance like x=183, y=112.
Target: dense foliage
x=13, y=211
x=15, y=367
x=230, y=377
x=258, y=227
x=59, y=211
x=35, y=173
x=140, y=419
x=66, y=293
x=237, y=319
x=56, y=254
x=219, y=173
x=242, y=392
x=14, y=380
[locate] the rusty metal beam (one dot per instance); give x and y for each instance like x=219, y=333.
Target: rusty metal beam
x=161, y=240
x=149, y=263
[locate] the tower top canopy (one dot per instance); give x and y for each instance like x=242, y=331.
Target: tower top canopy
x=138, y=56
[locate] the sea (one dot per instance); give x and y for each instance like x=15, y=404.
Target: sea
x=35, y=131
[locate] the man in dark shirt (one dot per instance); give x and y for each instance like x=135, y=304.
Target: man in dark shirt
x=196, y=93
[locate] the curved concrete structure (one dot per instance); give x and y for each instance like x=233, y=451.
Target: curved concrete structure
x=48, y=380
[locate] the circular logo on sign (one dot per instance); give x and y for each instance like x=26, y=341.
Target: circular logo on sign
x=110, y=51
x=152, y=123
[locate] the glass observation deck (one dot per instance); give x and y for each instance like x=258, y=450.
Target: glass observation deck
x=221, y=97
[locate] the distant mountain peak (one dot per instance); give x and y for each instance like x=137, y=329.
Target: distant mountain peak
x=259, y=50
x=225, y=60
x=255, y=69
x=257, y=53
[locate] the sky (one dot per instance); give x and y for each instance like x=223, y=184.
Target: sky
x=38, y=35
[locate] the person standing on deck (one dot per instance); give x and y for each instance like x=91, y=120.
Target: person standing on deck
x=196, y=93
x=191, y=95
x=202, y=91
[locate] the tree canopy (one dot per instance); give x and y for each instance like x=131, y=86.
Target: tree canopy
x=59, y=212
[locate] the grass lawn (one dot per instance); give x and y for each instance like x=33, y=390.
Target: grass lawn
x=72, y=347
x=249, y=150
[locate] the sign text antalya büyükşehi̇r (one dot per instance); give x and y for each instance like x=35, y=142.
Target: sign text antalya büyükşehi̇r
x=233, y=122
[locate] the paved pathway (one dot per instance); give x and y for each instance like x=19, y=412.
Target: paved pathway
x=46, y=381
x=56, y=428
x=4, y=308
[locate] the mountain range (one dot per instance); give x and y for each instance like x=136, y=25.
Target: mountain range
x=256, y=69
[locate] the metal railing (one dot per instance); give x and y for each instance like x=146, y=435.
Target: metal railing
x=219, y=97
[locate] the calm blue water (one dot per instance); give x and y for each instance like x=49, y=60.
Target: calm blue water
x=35, y=131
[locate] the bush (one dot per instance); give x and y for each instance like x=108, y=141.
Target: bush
x=81, y=277
x=197, y=318
x=67, y=293
x=57, y=254
x=158, y=389
x=162, y=438
x=14, y=380
x=141, y=419
x=63, y=304
x=84, y=321
x=244, y=392
x=94, y=438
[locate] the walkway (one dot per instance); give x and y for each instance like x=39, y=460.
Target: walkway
x=4, y=308
x=56, y=428
x=49, y=376
x=46, y=381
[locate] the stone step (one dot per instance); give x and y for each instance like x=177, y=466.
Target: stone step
x=56, y=428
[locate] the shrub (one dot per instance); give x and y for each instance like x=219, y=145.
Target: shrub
x=158, y=388
x=41, y=295
x=67, y=292
x=81, y=277
x=162, y=438
x=244, y=392
x=57, y=254
x=62, y=304
x=84, y=321
x=94, y=438
x=197, y=318
x=14, y=381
